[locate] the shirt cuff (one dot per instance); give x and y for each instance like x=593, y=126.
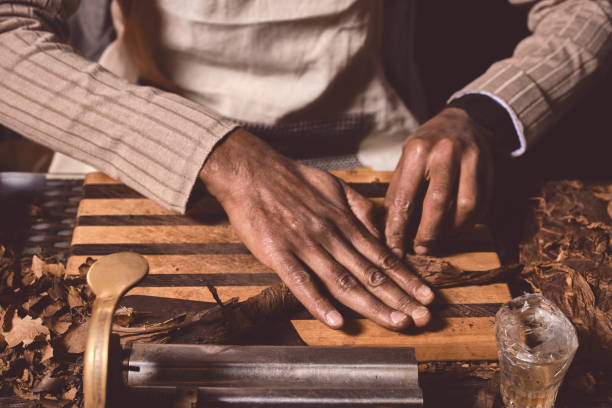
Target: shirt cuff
x=503, y=122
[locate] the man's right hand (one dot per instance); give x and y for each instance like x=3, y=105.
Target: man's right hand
x=315, y=232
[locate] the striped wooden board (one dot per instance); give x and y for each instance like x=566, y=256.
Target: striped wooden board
x=187, y=254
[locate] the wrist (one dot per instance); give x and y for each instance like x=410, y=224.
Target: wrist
x=222, y=167
x=490, y=115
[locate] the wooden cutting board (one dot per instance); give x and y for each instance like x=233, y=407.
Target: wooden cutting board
x=186, y=254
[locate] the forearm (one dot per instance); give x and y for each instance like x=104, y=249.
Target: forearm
x=549, y=70
x=154, y=141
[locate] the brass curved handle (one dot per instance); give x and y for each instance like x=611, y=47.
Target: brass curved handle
x=109, y=278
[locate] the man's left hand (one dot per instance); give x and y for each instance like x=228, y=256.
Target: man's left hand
x=447, y=161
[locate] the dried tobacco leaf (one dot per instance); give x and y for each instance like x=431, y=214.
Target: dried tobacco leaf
x=41, y=268
x=84, y=267
x=25, y=331
x=76, y=338
x=57, y=291
x=59, y=324
x=47, y=353
x=74, y=298
x=567, y=252
x=70, y=394
x=49, y=383
x=7, y=318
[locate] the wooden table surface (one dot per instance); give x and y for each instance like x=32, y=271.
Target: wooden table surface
x=186, y=254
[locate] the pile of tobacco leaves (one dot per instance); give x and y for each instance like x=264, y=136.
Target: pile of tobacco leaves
x=42, y=334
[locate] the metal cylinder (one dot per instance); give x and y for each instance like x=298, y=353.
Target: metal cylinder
x=202, y=375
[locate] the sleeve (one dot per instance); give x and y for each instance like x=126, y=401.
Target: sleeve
x=570, y=46
x=494, y=117
x=155, y=142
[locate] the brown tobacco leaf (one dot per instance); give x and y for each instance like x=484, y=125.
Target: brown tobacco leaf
x=84, y=268
x=76, y=338
x=59, y=324
x=70, y=394
x=47, y=353
x=441, y=273
x=41, y=268
x=49, y=383
x=25, y=331
x=7, y=318
x=74, y=298
x=57, y=291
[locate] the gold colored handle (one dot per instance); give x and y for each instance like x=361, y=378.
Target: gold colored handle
x=109, y=278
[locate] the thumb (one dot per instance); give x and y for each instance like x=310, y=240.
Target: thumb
x=363, y=209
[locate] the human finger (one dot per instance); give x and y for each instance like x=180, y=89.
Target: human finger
x=347, y=289
x=467, y=190
x=443, y=169
x=301, y=283
x=401, y=196
x=360, y=241
x=375, y=280
x=363, y=209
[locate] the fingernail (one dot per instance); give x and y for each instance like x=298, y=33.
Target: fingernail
x=420, y=315
x=398, y=252
x=421, y=250
x=424, y=294
x=334, y=318
x=398, y=317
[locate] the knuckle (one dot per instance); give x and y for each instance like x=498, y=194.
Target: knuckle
x=346, y=282
x=449, y=145
x=321, y=227
x=300, y=278
x=375, y=277
x=389, y=262
x=466, y=204
x=472, y=151
x=438, y=197
x=295, y=224
x=401, y=204
x=417, y=147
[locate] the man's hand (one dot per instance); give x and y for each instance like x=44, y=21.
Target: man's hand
x=315, y=232
x=447, y=160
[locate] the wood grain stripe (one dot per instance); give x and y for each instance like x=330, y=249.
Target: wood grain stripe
x=178, y=235
x=357, y=175
x=131, y=206
x=211, y=279
x=254, y=279
x=438, y=311
x=462, y=338
x=135, y=220
x=122, y=191
x=493, y=293
x=161, y=249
